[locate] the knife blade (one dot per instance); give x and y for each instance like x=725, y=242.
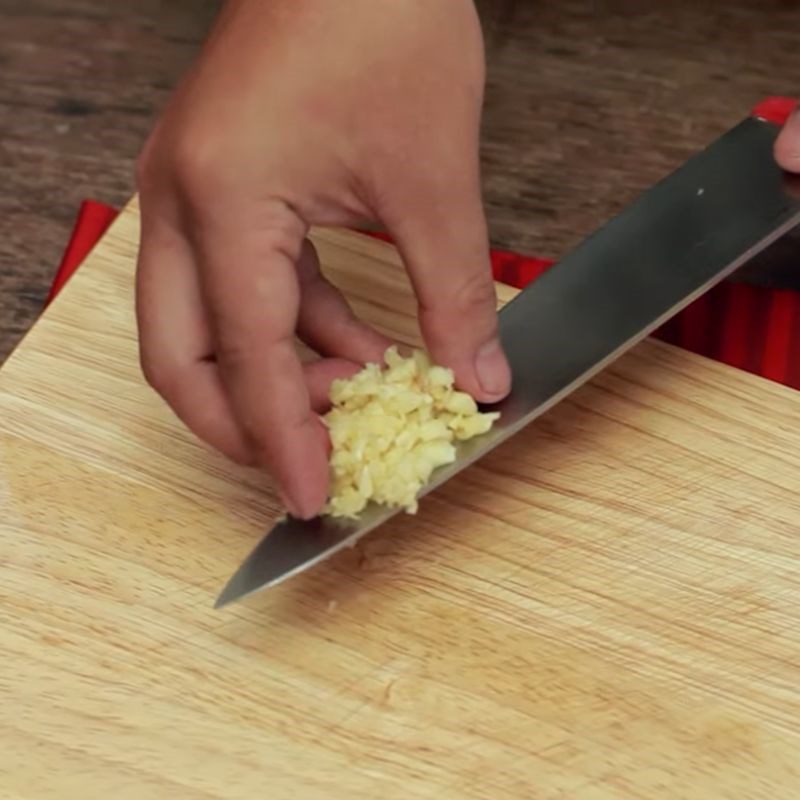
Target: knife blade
x=675, y=242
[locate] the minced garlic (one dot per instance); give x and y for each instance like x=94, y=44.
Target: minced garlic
x=391, y=428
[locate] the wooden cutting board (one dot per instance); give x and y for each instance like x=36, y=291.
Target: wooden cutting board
x=608, y=606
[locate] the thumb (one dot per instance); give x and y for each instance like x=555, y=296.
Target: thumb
x=443, y=241
x=787, y=146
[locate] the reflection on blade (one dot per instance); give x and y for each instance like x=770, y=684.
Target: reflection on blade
x=674, y=243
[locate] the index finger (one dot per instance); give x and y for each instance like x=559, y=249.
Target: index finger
x=253, y=299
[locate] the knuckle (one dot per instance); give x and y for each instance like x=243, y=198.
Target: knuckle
x=465, y=313
x=257, y=435
x=238, y=363
x=475, y=293
x=161, y=376
x=233, y=352
x=260, y=446
x=191, y=162
x=197, y=163
x=282, y=231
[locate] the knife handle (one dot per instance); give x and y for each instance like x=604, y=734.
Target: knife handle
x=775, y=109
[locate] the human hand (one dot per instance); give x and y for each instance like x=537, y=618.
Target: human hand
x=301, y=113
x=787, y=147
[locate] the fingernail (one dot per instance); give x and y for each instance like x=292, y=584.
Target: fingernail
x=494, y=374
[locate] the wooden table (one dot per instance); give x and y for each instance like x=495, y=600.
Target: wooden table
x=608, y=606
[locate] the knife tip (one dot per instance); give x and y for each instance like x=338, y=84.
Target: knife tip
x=227, y=596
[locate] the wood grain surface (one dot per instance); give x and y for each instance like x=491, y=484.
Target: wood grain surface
x=587, y=104
x=607, y=607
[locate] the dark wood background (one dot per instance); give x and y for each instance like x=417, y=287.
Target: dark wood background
x=587, y=104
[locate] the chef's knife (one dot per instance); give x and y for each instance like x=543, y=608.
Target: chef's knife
x=674, y=243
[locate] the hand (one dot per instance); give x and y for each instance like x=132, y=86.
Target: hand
x=787, y=147
x=300, y=113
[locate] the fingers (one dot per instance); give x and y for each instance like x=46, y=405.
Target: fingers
x=174, y=340
x=787, y=147
x=443, y=241
x=249, y=280
x=326, y=322
x=272, y=395
x=321, y=374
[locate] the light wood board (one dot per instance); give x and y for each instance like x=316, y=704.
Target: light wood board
x=607, y=606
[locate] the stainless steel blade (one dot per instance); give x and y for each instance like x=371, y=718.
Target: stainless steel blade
x=674, y=243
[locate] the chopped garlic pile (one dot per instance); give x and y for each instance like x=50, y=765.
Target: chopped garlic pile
x=390, y=428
